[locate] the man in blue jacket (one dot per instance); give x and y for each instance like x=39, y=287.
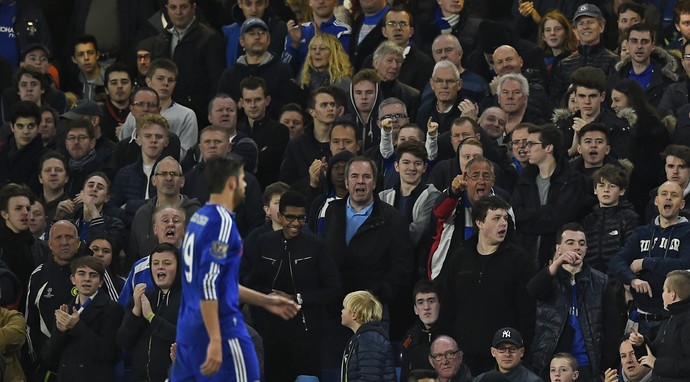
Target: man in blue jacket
x=652, y=252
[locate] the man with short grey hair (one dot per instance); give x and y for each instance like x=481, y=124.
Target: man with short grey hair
x=388, y=59
x=445, y=82
x=513, y=94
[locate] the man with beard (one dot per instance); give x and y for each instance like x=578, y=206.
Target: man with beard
x=486, y=278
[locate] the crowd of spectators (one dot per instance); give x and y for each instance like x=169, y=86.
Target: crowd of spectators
x=520, y=169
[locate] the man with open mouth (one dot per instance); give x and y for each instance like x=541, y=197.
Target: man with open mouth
x=487, y=277
x=650, y=253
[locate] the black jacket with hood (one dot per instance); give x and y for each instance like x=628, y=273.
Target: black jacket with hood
x=369, y=131
x=150, y=342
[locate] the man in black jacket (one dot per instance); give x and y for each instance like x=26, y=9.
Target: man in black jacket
x=574, y=301
x=199, y=53
x=547, y=195
x=589, y=24
x=369, y=241
x=484, y=285
x=293, y=263
x=271, y=136
x=257, y=61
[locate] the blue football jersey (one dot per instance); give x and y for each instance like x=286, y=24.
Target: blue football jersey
x=211, y=255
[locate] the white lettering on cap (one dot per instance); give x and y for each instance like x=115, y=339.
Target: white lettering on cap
x=506, y=334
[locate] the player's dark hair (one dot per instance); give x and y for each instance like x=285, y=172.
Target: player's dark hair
x=219, y=169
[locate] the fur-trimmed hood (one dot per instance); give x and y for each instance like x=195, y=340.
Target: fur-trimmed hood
x=669, y=64
x=628, y=114
x=560, y=114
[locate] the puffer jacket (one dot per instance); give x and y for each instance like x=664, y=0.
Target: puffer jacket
x=593, y=55
x=368, y=355
x=597, y=318
x=607, y=229
x=672, y=345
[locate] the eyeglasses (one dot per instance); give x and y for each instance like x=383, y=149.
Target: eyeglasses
x=256, y=32
x=484, y=177
x=148, y=105
x=80, y=138
x=529, y=144
x=173, y=174
x=395, y=24
x=394, y=116
x=511, y=350
x=448, y=82
x=519, y=142
x=451, y=354
x=291, y=218
x=144, y=57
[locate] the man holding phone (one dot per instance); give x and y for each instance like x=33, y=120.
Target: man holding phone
x=631, y=369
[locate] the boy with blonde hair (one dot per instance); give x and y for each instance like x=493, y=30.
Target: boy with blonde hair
x=668, y=356
x=368, y=355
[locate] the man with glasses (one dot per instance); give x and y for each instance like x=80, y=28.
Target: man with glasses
x=547, y=195
x=445, y=357
x=484, y=284
x=144, y=101
x=162, y=77
x=293, y=263
x=651, y=67
x=168, y=180
x=445, y=82
x=518, y=151
x=576, y=313
x=508, y=349
x=417, y=65
x=83, y=155
x=453, y=208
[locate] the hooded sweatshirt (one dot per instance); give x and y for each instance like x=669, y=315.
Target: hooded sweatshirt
x=662, y=250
